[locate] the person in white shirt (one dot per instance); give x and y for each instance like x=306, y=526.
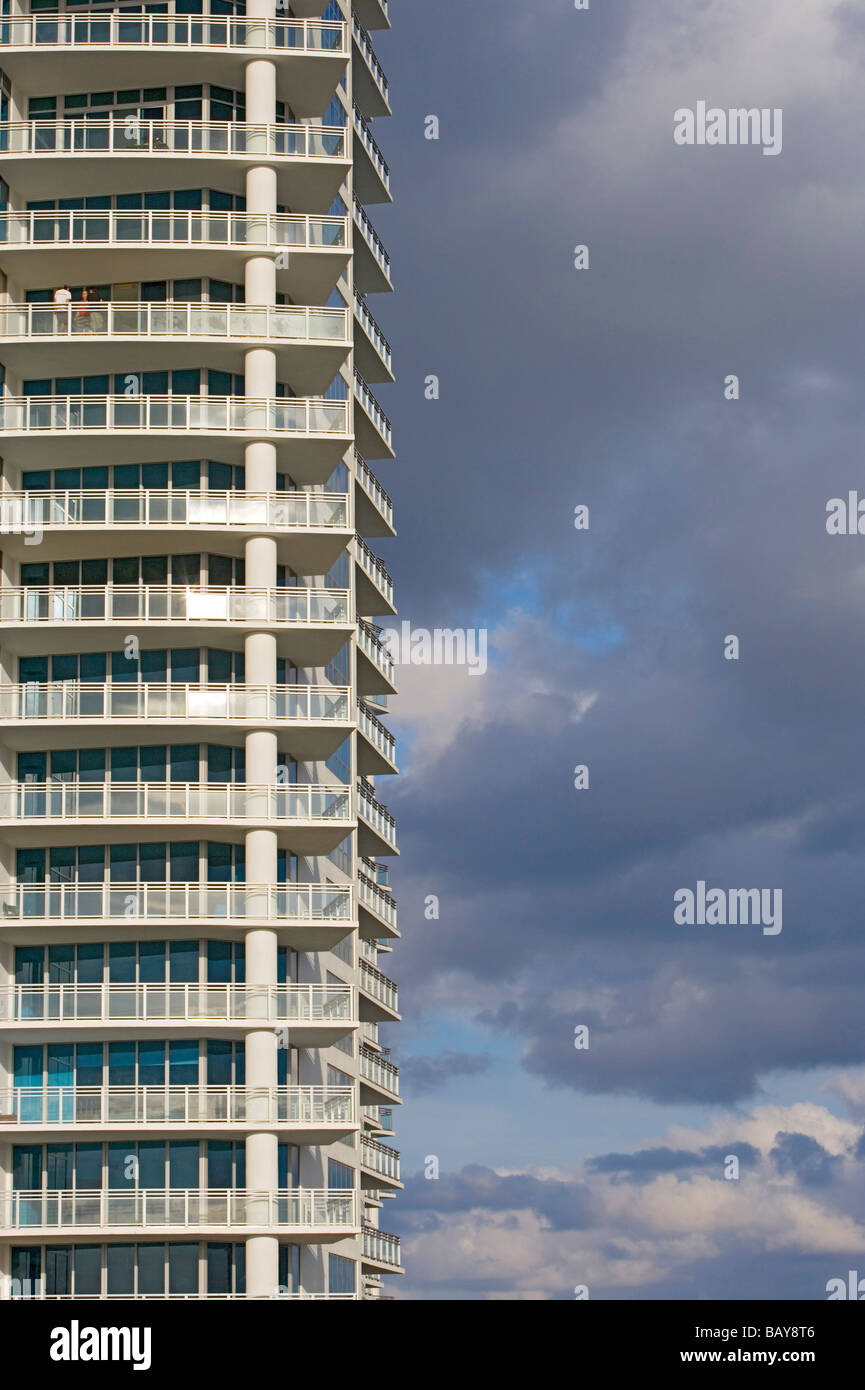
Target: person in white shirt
x=62, y=300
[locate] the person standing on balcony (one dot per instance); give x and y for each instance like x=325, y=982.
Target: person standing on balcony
x=82, y=316
x=62, y=300
x=98, y=319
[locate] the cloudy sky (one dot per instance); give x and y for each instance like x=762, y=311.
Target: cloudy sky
x=604, y=387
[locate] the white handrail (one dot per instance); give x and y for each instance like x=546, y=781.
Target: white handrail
x=374, y=983
x=372, y=330
x=183, y=801
x=369, y=726
x=87, y=603
x=168, y=319
x=365, y=398
x=149, y=1208
x=276, y=231
x=179, y=507
x=73, y=901
x=308, y=415
x=380, y=1158
x=364, y=43
x=128, y=134
x=78, y=700
x=372, y=238
x=378, y=654
x=185, y=1003
x=163, y=31
x=376, y=899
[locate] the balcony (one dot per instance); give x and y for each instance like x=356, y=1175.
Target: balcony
x=376, y=749
x=309, y=819
x=372, y=274
x=379, y=997
x=382, y=1161
x=311, y=161
x=372, y=427
x=374, y=587
x=372, y=505
x=371, y=172
x=311, y=528
x=379, y=904
x=308, y=1012
x=378, y=1121
x=376, y=831
x=307, y=916
x=310, y=343
x=176, y=1297
x=319, y=715
x=370, y=83
x=371, y=348
x=377, y=1076
x=381, y=1249
x=60, y=53
x=319, y=1214
x=90, y=246
x=375, y=669
x=373, y=14
x=318, y=1114
x=310, y=434
x=317, y=621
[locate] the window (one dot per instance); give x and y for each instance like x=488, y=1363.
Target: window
x=226, y=1268
x=341, y=1274
x=289, y=1268
x=120, y=1269
x=340, y=1176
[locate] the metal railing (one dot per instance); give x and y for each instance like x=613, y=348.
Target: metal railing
x=364, y=43
x=373, y=488
x=166, y=31
x=379, y=1158
x=127, y=134
x=374, y=1068
x=274, y=231
x=73, y=700
x=90, y=603
x=374, y=813
x=189, y=1208
x=372, y=239
x=372, y=330
x=364, y=395
x=172, y=415
x=383, y=904
x=372, y=647
x=177, y=1105
x=371, y=728
x=20, y=511
x=381, y=1247
x=369, y=951
x=174, y=1297
x=185, y=1003
x=177, y=902
x=167, y=319
x=373, y=567
x=368, y=140
x=378, y=986
x=181, y=801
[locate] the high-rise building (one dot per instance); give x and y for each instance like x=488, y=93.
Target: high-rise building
x=194, y=902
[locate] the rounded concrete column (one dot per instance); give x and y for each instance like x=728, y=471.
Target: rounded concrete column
x=262, y=1156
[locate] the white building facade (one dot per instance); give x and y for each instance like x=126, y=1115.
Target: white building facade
x=195, y=916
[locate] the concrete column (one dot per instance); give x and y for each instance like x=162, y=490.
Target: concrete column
x=262, y=1168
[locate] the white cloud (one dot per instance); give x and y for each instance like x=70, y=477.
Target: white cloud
x=439, y=704
x=646, y=1232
